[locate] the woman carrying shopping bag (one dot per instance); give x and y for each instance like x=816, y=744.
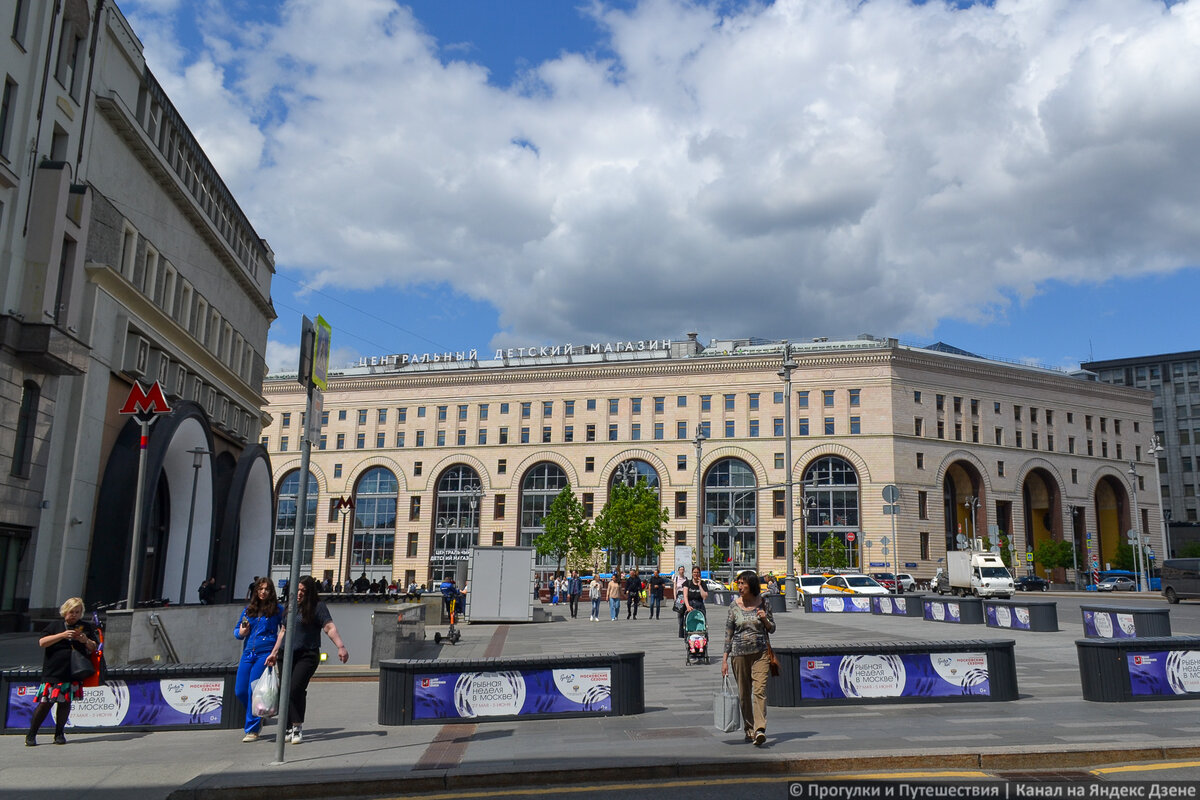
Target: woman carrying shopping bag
x=747, y=650
x=261, y=628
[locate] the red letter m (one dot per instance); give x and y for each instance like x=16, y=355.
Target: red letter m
x=142, y=402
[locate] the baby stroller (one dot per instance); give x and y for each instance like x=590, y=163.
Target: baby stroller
x=696, y=638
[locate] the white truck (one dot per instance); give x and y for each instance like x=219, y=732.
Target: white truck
x=976, y=573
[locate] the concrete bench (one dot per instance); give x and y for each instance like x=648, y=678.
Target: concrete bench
x=1146, y=668
x=1021, y=615
x=894, y=672
x=434, y=691
x=957, y=610
x=837, y=604
x=904, y=605
x=1105, y=622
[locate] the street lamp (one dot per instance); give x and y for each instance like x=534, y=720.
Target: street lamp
x=699, y=442
x=1135, y=529
x=789, y=581
x=198, y=455
x=972, y=503
x=1164, y=515
x=1074, y=532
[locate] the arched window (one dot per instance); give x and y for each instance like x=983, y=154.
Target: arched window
x=630, y=472
x=541, y=485
x=831, y=501
x=730, y=516
x=374, y=541
x=285, y=520
x=456, y=523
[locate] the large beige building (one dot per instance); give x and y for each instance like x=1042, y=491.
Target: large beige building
x=439, y=452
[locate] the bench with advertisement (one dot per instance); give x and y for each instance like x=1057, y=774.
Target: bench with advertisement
x=139, y=698
x=894, y=672
x=959, y=610
x=1021, y=615
x=415, y=692
x=1133, y=669
x=1110, y=622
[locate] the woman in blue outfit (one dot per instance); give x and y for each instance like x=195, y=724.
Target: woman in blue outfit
x=261, y=627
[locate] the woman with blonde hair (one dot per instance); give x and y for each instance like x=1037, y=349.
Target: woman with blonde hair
x=59, y=639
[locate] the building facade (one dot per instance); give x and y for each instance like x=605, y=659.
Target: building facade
x=125, y=258
x=421, y=456
x=1174, y=380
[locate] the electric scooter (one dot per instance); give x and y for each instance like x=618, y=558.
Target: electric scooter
x=452, y=635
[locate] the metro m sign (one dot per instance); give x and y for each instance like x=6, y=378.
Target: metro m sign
x=146, y=403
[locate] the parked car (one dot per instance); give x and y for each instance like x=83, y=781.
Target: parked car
x=907, y=582
x=940, y=582
x=1116, y=583
x=713, y=586
x=852, y=584
x=810, y=584
x=885, y=579
x=1032, y=583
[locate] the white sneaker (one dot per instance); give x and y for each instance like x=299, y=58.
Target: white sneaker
x=250, y=737
x=297, y=735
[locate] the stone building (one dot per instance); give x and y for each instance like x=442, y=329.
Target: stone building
x=125, y=258
x=439, y=452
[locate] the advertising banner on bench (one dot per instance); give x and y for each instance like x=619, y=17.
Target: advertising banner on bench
x=1108, y=624
x=172, y=702
x=894, y=675
x=514, y=693
x=843, y=605
x=1005, y=617
x=1164, y=672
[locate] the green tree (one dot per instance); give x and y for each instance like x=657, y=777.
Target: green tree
x=1052, y=554
x=829, y=554
x=1123, y=557
x=564, y=528
x=1190, y=550
x=632, y=522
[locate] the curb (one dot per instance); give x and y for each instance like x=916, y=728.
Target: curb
x=323, y=785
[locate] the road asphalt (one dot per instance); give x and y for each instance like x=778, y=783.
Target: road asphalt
x=347, y=753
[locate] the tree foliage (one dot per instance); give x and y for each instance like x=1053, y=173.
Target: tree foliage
x=565, y=529
x=632, y=522
x=828, y=555
x=1052, y=554
x=1123, y=557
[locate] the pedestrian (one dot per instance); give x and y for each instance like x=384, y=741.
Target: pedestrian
x=746, y=628
x=633, y=592
x=574, y=589
x=614, y=596
x=327, y=585
x=312, y=617
x=594, y=596
x=59, y=639
x=450, y=594
x=208, y=592
x=772, y=584
x=261, y=627
x=362, y=584
x=694, y=594
x=348, y=587
x=250, y=590
x=656, y=595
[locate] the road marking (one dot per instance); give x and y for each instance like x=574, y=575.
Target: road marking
x=1146, y=767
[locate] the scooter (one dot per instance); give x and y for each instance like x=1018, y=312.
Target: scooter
x=453, y=634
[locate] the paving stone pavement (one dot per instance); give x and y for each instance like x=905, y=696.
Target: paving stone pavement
x=347, y=752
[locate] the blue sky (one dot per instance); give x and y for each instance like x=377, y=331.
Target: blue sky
x=455, y=174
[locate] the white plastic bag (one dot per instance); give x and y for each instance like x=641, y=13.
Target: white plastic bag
x=264, y=694
x=727, y=708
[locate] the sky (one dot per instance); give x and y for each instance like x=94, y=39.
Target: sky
x=1017, y=178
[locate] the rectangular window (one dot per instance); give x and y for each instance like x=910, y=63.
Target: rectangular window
x=614, y=405
x=283, y=443
x=778, y=397
x=547, y=408
x=323, y=442
x=1019, y=441
x=568, y=433
x=635, y=431
x=569, y=408
x=729, y=402
x=958, y=431
x=1074, y=476
x=414, y=539
x=924, y=545
x=341, y=441
x=706, y=402
x=827, y=398
x=331, y=545
x=497, y=538
x=504, y=408
x=958, y=405
x=829, y=426
x=922, y=505
x=589, y=464
x=441, y=438
x=588, y=501
x=681, y=401
x=779, y=461
x=801, y=399
x=285, y=420
x=658, y=431
x=420, y=412
x=659, y=404
x=939, y=401
x=753, y=429
x=729, y=429
x=918, y=426
x=681, y=430
x=681, y=509
x=1000, y=468
x=975, y=434
x=525, y=435
x=855, y=425
x=414, y=508
x=635, y=405
x=481, y=436
x=382, y=416
x=920, y=461
x=777, y=424
x=802, y=426
x=591, y=404
x=461, y=438
x=526, y=410
x=754, y=401
x=612, y=432
x=855, y=397
x=420, y=438
x=417, y=467
x=483, y=411
x=545, y=434
x=337, y=470
x=462, y=413
x=590, y=432
x=503, y=435
x=681, y=463
x=780, y=544
x=324, y=418
x=402, y=414
x=380, y=440
x=941, y=429
x=778, y=503
x=498, y=507
x=916, y=396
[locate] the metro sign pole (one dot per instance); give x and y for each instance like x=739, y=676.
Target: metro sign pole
x=144, y=406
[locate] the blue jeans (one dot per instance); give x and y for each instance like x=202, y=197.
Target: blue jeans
x=655, y=606
x=251, y=666
x=596, y=606
x=614, y=607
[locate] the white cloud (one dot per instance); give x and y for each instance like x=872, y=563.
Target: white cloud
x=820, y=166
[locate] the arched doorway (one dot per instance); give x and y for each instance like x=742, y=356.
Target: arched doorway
x=831, y=500
x=286, y=504
x=373, y=544
x=731, y=516
x=965, y=508
x=1112, y=517
x=456, y=522
x=540, y=486
x=1043, y=514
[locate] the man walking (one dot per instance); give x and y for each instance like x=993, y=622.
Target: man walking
x=656, y=595
x=633, y=591
x=574, y=589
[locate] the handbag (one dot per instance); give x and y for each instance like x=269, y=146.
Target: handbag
x=772, y=660
x=727, y=708
x=678, y=607
x=81, y=666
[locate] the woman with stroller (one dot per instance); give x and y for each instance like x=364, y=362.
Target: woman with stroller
x=694, y=595
x=746, y=628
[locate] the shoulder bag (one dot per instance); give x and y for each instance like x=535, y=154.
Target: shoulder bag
x=81, y=666
x=772, y=659
x=727, y=708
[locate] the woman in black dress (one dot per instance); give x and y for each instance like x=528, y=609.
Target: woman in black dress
x=694, y=595
x=59, y=639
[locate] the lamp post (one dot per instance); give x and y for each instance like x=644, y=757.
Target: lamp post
x=1156, y=448
x=972, y=503
x=789, y=581
x=699, y=442
x=1074, y=556
x=345, y=505
x=1135, y=529
x=198, y=454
